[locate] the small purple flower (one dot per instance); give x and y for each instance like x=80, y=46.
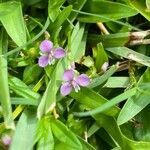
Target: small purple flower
x=72, y=81
x=49, y=53
x=6, y=139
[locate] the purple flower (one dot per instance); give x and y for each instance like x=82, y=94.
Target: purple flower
x=6, y=139
x=49, y=53
x=72, y=81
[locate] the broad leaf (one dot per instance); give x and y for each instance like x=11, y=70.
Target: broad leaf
x=23, y=138
x=12, y=19
x=102, y=11
x=64, y=135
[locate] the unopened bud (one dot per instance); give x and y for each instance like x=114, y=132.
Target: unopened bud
x=105, y=66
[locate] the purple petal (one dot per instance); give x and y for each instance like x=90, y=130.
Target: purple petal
x=83, y=80
x=46, y=46
x=6, y=140
x=68, y=75
x=43, y=61
x=59, y=53
x=66, y=88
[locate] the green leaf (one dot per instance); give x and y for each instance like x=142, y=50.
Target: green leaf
x=86, y=145
x=30, y=41
x=136, y=103
x=64, y=135
x=100, y=56
x=12, y=19
x=131, y=55
x=20, y=88
x=76, y=41
x=48, y=100
x=94, y=128
x=101, y=79
x=31, y=2
x=110, y=125
x=56, y=26
x=140, y=6
x=23, y=101
x=148, y=4
x=143, y=132
x=23, y=138
x=112, y=128
x=106, y=106
x=4, y=94
x=117, y=82
x=106, y=10
x=77, y=5
x=3, y=41
x=54, y=8
x=31, y=73
x=110, y=40
x=44, y=135
x=82, y=48
x=93, y=100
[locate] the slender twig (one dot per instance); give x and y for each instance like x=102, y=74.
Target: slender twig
x=102, y=28
x=86, y=136
x=139, y=42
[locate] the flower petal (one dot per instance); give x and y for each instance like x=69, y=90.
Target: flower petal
x=46, y=46
x=6, y=139
x=59, y=53
x=68, y=75
x=83, y=80
x=43, y=61
x=66, y=88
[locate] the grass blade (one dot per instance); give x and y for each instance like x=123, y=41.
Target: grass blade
x=108, y=104
x=4, y=94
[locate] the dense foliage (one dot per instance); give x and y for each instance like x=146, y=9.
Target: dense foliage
x=74, y=74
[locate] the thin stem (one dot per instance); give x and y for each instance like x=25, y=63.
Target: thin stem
x=31, y=41
x=102, y=28
x=139, y=42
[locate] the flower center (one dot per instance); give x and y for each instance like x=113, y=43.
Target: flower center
x=75, y=85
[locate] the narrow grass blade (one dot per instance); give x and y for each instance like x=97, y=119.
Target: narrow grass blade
x=30, y=41
x=93, y=100
x=138, y=102
x=21, y=89
x=108, y=104
x=117, y=82
x=4, y=94
x=76, y=39
x=109, y=9
x=140, y=6
x=64, y=135
x=101, y=79
x=130, y=54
